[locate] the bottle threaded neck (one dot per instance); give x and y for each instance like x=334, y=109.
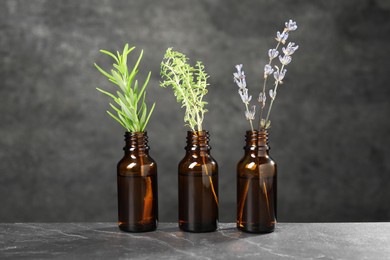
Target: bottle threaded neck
x=256, y=140
x=198, y=140
x=262, y=139
x=251, y=139
x=136, y=141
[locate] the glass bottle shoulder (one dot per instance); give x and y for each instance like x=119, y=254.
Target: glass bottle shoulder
x=254, y=165
x=132, y=164
x=198, y=164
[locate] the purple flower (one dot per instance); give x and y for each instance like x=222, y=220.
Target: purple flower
x=281, y=37
x=290, y=49
x=279, y=75
x=239, y=67
x=239, y=77
x=273, y=53
x=240, y=74
x=244, y=95
x=291, y=25
x=240, y=83
x=272, y=94
x=285, y=60
x=250, y=115
x=268, y=70
x=262, y=98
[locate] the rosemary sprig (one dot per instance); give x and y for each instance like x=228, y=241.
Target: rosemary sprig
x=132, y=112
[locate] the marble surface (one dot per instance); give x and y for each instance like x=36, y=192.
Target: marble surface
x=105, y=241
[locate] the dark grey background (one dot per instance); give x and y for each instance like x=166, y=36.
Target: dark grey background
x=330, y=135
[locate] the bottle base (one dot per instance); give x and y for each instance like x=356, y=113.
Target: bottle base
x=197, y=228
x=256, y=229
x=137, y=228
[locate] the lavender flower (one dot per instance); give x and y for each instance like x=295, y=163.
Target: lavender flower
x=285, y=60
x=273, y=53
x=262, y=98
x=279, y=75
x=250, y=114
x=291, y=25
x=290, y=49
x=268, y=70
x=240, y=73
x=272, y=94
x=239, y=77
x=281, y=37
x=243, y=81
x=238, y=82
x=244, y=95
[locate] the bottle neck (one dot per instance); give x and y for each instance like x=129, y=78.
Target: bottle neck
x=136, y=143
x=198, y=141
x=257, y=142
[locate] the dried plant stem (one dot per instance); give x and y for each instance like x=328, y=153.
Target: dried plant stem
x=250, y=121
x=272, y=101
x=262, y=107
x=264, y=85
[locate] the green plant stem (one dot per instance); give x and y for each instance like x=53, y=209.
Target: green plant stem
x=131, y=111
x=198, y=119
x=177, y=79
x=189, y=86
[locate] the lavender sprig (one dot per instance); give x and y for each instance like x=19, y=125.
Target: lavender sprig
x=278, y=74
x=285, y=60
x=250, y=114
x=239, y=79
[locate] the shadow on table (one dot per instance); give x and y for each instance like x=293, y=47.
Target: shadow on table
x=172, y=236
x=167, y=240
x=174, y=231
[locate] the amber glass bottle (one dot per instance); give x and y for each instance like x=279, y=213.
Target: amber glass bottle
x=198, y=186
x=256, y=186
x=137, y=186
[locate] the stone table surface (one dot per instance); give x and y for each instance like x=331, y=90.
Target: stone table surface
x=105, y=241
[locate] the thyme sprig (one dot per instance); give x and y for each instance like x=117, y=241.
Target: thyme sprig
x=189, y=85
x=132, y=112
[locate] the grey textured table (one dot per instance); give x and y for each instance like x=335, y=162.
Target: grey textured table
x=105, y=241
